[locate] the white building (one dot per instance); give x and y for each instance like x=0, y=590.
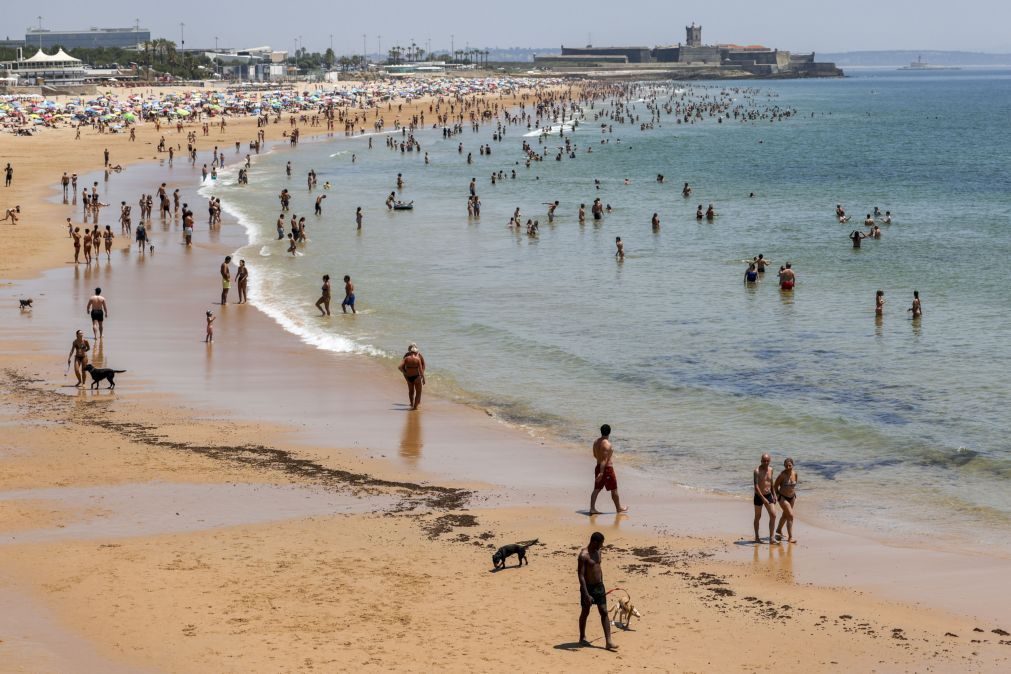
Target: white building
x=50, y=69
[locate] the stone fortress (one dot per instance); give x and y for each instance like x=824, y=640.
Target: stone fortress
x=691, y=59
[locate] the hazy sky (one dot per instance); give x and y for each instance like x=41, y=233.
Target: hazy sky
x=797, y=25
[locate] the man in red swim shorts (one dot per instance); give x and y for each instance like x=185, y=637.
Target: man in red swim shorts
x=603, y=472
x=787, y=278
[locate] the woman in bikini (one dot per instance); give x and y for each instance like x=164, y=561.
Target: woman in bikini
x=96, y=242
x=79, y=352
x=108, y=236
x=242, y=279
x=87, y=246
x=786, y=490
x=413, y=369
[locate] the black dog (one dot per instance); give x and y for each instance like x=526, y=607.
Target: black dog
x=25, y=304
x=101, y=374
x=506, y=551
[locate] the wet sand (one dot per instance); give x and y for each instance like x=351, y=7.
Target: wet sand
x=295, y=579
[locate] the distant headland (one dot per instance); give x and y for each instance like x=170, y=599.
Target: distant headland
x=691, y=60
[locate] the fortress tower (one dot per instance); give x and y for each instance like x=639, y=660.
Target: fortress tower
x=693, y=35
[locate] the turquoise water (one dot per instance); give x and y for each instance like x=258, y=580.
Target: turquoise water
x=894, y=424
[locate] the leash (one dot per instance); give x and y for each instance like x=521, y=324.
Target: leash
x=615, y=589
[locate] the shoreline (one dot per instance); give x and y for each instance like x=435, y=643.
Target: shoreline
x=442, y=451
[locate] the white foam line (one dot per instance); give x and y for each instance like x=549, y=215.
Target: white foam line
x=307, y=333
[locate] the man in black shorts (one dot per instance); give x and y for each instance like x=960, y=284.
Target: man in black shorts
x=591, y=589
x=764, y=497
x=98, y=309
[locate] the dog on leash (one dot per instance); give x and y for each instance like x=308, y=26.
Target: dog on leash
x=26, y=304
x=99, y=374
x=506, y=551
x=624, y=611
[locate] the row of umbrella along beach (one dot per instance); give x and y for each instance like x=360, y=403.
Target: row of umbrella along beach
x=127, y=108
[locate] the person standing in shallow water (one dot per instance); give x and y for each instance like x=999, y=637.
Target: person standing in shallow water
x=323, y=303
x=786, y=492
x=765, y=497
x=242, y=280
x=603, y=472
x=917, y=308
x=79, y=352
x=226, y=279
x=413, y=369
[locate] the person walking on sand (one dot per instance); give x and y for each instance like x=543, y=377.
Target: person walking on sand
x=603, y=473
x=764, y=497
x=242, y=281
x=98, y=309
x=226, y=279
x=79, y=352
x=349, y=295
x=413, y=369
x=209, y=336
x=591, y=589
x=323, y=303
x=8, y=174
x=786, y=493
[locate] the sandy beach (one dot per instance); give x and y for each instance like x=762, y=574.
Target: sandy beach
x=261, y=505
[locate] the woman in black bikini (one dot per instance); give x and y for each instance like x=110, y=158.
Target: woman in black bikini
x=413, y=369
x=786, y=489
x=79, y=352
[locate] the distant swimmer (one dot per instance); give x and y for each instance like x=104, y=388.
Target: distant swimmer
x=888, y=218
x=787, y=278
x=391, y=200
x=875, y=232
x=400, y=181
x=856, y=236
x=323, y=303
x=655, y=222
x=319, y=204
x=879, y=303
x=868, y=221
x=710, y=213
x=349, y=296
x=917, y=308
x=751, y=275
x=620, y=252
x=413, y=369
x=358, y=217
x=877, y=212
x=698, y=213
x=765, y=497
x=686, y=191
x=603, y=472
x=760, y=263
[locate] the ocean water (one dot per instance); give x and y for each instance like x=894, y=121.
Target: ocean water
x=897, y=425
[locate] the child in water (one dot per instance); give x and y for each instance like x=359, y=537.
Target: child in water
x=209, y=337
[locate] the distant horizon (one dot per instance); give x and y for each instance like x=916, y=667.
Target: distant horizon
x=860, y=25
